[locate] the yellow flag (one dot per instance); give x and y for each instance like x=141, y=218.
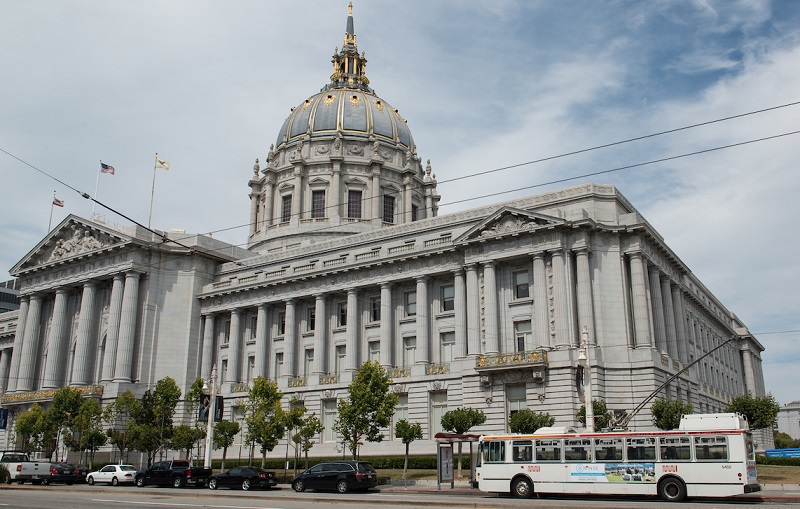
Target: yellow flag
x=161, y=163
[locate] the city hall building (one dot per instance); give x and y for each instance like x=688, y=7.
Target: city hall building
x=348, y=260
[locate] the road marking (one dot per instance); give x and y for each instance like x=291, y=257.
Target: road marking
x=174, y=504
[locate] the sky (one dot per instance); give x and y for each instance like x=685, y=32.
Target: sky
x=483, y=85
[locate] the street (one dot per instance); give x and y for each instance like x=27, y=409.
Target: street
x=106, y=497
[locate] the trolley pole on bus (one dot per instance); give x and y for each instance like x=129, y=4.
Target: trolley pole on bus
x=584, y=356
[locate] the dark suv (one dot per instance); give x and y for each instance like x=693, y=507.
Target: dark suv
x=341, y=476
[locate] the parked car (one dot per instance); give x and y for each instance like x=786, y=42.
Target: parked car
x=81, y=471
x=60, y=473
x=245, y=478
x=341, y=476
x=13, y=461
x=176, y=473
x=113, y=474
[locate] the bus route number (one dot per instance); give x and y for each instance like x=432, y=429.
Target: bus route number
x=533, y=468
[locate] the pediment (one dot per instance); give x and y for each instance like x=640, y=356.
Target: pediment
x=509, y=221
x=73, y=238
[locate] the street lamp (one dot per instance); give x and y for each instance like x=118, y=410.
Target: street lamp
x=212, y=411
x=584, y=357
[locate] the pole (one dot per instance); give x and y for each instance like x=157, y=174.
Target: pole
x=212, y=412
x=152, y=191
x=587, y=379
x=52, y=204
x=96, y=187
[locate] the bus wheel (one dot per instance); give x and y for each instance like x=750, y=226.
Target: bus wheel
x=672, y=489
x=522, y=488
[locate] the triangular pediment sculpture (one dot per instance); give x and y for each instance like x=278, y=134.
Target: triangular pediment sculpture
x=72, y=238
x=509, y=221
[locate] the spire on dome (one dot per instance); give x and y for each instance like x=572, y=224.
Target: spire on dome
x=348, y=65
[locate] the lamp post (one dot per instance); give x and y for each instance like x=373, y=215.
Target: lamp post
x=584, y=357
x=212, y=411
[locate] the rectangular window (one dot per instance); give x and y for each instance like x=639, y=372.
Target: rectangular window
x=286, y=208
x=281, y=323
x=608, y=449
x=223, y=375
x=641, y=448
x=226, y=332
x=522, y=451
x=438, y=409
x=278, y=365
x=375, y=351
x=414, y=212
x=311, y=319
x=448, y=297
x=251, y=368
x=710, y=448
x=317, y=204
x=516, y=398
x=448, y=341
x=409, y=351
x=354, y=204
x=577, y=449
x=375, y=309
x=308, y=362
x=522, y=336
x=411, y=303
x=253, y=327
x=675, y=448
x=340, y=360
x=494, y=451
x=522, y=284
x=548, y=450
x=328, y=420
x=341, y=314
x=388, y=209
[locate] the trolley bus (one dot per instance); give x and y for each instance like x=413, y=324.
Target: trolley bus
x=709, y=455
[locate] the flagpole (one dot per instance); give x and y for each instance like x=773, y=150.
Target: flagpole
x=96, y=186
x=153, y=191
x=52, y=203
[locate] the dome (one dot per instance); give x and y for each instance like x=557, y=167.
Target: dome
x=351, y=112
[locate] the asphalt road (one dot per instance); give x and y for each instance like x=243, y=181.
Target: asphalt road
x=106, y=497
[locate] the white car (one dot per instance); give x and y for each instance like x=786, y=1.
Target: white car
x=113, y=474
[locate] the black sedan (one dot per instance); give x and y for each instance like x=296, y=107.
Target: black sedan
x=60, y=472
x=245, y=478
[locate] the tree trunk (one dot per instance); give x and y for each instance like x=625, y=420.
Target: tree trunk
x=459, y=460
x=405, y=462
x=224, y=453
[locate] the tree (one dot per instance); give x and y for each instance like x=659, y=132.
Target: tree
x=266, y=420
x=306, y=431
x=86, y=428
x=184, y=438
x=293, y=419
x=224, y=432
x=759, y=412
x=667, y=413
x=165, y=398
x=64, y=409
x=120, y=416
x=602, y=417
x=35, y=428
x=784, y=440
x=407, y=432
x=368, y=408
x=528, y=421
x=460, y=421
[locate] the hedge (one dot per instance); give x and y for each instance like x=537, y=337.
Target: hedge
x=786, y=462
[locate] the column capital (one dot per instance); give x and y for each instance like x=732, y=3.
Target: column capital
x=538, y=255
x=582, y=250
x=386, y=285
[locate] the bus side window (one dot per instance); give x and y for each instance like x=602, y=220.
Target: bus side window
x=522, y=451
x=496, y=451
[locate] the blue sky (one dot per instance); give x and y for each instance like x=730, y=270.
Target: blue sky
x=207, y=84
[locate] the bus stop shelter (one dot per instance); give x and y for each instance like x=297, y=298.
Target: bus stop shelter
x=444, y=456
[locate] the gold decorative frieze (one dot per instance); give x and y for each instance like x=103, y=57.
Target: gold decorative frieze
x=239, y=388
x=511, y=359
x=400, y=373
x=676, y=365
x=298, y=381
x=328, y=379
x=437, y=369
x=89, y=390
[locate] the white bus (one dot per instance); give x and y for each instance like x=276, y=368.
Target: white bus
x=709, y=455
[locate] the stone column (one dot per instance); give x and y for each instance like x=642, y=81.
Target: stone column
x=112, y=334
x=540, y=314
x=208, y=347
x=5, y=363
x=351, y=344
x=560, y=299
x=262, y=339
x=16, y=352
x=407, y=200
x=658, y=310
x=297, y=195
x=320, y=335
x=235, y=347
x=669, y=318
x=376, y=192
x=253, y=211
x=289, y=340
x=387, y=325
x=460, y=312
x=680, y=324
x=473, y=311
x=641, y=321
x=269, y=199
x=123, y=369
x=53, y=369
x=585, y=304
x=423, y=333
x=84, y=344
x=30, y=345
x=336, y=190
x=490, y=308
x=747, y=367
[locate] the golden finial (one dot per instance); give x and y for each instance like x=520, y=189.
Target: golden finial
x=350, y=7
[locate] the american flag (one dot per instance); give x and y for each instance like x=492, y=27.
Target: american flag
x=57, y=202
x=106, y=168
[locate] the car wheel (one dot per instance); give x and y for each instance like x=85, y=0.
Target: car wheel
x=178, y=482
x=90, y=480
x=212, y=484
x=342, y=486
x=114, y=481
x=246, y=484
x=299, y=485
x=522, y=488
x=672, y=489
x=140, y=481
x=44, y=481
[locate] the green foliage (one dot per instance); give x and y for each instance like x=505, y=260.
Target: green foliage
x=407, y=432
x=36, y=429
x=785, y=462
x=528, y=421
x=462, y=419
x=784, y=441
x=602, y=416
x=4, y=475
x=759, y=412
x=120, y=416
x=193, y=398
x=667, y=413
x=185, y=437
x=306, y=431
x=266, y=420
x=224, y=433
x=368, y=408
x=85, y=432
